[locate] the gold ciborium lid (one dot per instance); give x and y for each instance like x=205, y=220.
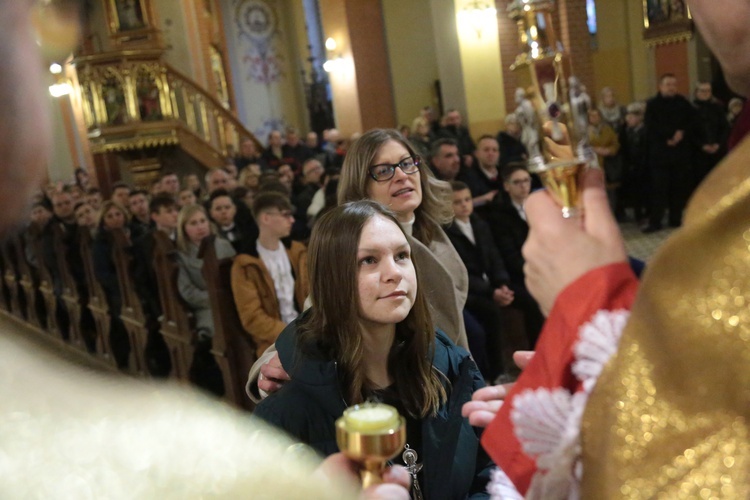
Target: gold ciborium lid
x=371, y=434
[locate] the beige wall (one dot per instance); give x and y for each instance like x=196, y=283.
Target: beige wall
x=643, y=80
x=448, y=54
x=413, y=61
x=622, y=60
x=612, y=57
x=181, y=37
x=482, y=74
x=61, y=165
x=343, y=82
x=294, y=25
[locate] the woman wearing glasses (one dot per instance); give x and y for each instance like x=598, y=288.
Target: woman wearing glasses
x=370, y=337
x=382, y=166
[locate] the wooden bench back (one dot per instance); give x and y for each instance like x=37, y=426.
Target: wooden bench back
x=29, y=281
x=46, y=286
x=175, y=321
x=97, y=300
x=69, y=287
x=11, y=279
x=232, y=348
x=132, y=310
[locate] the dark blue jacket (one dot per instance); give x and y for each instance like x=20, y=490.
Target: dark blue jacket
x=455, y=466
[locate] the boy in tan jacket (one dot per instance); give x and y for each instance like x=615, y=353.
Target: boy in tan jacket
x=269, y=282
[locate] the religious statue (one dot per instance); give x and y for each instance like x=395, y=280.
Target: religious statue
x=528, y=120
x=580, y=103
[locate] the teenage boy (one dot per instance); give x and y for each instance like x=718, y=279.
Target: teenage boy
x=269, y=281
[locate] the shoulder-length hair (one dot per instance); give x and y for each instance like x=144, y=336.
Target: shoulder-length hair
x=185, y=213
x=106, y=207
x=334, y=320
x=434, y=211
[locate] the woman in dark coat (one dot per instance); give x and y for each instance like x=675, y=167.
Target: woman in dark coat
x=113, y=216
x=369, y=336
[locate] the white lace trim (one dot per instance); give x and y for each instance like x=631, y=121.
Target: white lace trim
x=547, y=422
x=501, y=487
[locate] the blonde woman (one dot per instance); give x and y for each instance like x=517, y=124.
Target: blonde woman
x=193, y=227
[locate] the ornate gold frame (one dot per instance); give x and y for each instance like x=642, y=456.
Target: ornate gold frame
x=671, y=29
x=146, y=33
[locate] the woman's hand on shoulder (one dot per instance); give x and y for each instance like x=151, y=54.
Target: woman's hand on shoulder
x=272, y=375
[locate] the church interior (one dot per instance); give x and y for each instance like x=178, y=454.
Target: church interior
x=158, y=85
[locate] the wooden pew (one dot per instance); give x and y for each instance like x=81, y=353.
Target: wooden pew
x=232, y=348
x=47, y=289
x=175, y=321
x=11, y=279
x=4, y=290
x=69, y=288
x=29, y=281
x=132, y=311
x=97, y=300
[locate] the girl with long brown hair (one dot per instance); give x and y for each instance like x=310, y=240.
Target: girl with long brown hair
x=369, y=336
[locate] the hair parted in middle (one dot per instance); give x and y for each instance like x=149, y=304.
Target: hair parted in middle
x=106, y=207
x=334, y=319
x=434, y=211
x=185, y=214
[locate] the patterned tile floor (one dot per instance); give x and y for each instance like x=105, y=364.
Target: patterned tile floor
x=642, y=246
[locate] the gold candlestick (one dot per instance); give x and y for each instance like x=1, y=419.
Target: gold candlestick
x=371, y=434
x=540, y=70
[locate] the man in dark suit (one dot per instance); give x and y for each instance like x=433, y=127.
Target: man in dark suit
x=63, y=223
x=484, y=178
x=507, y=220
x=713, y=132
x=295, y=149
x=453, y=128
x=163, y=213
x=232, y=224
x=670, y=125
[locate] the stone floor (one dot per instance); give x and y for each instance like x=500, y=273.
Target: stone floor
x=642, y=246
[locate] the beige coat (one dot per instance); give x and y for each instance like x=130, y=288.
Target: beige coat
x=445, y=282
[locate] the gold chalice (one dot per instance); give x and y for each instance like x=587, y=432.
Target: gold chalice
x=540, y=69
x=561, y=178
x=561, y=175
x=371, y=434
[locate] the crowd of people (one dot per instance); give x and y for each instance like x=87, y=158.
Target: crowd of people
x=655, y=153
x=262, y=208
x=264, y=205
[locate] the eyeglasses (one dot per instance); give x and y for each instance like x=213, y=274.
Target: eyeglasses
x=385, y=171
